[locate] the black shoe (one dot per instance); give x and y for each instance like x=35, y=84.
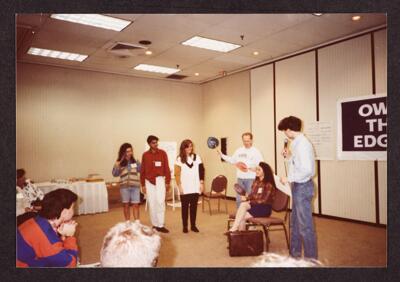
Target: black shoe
x=162, y=229
x=194, y=229
x=185, y=230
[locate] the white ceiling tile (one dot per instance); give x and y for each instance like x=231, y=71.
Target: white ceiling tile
x=67, y=42
x=33, y=20
x=367, y=20
x=236, y=59
x=186, y=55
x=263, y=24
x=128, y=17
x=212, y=19
x=112, y=60
x=229, y=35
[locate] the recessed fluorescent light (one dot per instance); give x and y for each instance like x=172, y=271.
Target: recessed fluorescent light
x=158, y=69
x=96, y=20
x=56, y=54
x=196, y=74
x=148, y=52
x=255, y=53
x=317, y=14
x=210, y=44
x=356, y=18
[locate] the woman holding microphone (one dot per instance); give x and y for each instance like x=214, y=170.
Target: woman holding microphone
x=189, y=176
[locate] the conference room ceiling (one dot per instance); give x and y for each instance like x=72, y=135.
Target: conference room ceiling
x=271, y=35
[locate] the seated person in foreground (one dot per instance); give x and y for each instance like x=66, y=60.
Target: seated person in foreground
x=46, y=239
x=275, y=260
x=130, y=244
x=259, y=202
x=31, y=194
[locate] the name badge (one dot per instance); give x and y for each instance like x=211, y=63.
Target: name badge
x=259, y=190
x=157, y=163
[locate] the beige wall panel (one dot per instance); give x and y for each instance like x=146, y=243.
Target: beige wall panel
x=347, y=186
x=71, y=123
x=226, y=113
x=296, y=95
x=380, y=41
x=262, y=112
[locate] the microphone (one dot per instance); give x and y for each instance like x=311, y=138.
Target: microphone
x=285, y=146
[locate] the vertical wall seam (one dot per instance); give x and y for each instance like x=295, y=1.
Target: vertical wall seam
x=317, y=105
x=251, y=119
x=274, y=95
x=376, y=172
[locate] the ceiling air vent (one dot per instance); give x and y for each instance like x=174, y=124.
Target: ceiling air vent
x=177, y=76
x=126, y=49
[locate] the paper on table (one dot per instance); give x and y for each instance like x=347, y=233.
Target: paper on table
x=284, y=188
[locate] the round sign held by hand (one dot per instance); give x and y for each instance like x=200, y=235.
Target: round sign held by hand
x=212, y=142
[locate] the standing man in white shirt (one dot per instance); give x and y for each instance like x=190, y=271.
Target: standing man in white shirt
x=246, y=159
x=301, y=162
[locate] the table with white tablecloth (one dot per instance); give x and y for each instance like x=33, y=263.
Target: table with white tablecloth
x=92, y=196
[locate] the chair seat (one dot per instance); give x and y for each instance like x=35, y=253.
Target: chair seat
x=213, y=195
x=232, y=216
x=266, y=220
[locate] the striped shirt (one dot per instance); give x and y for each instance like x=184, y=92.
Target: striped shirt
x=38, y=245
x=128, y=175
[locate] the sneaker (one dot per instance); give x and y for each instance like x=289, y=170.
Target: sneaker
x=185, y=230
x=194, y=229
x=162, y=229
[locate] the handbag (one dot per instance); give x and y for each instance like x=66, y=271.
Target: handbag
x=245, y=243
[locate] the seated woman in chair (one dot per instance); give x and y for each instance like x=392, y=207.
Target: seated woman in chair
x=259, y=202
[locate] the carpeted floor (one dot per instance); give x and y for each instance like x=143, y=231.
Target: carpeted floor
x=340, y=243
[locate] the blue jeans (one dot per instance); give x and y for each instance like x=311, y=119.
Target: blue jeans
x=130, y=194
x=301, y=225
x=246, y=184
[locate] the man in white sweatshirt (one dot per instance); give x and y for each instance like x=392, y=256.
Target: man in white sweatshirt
x=246, y=159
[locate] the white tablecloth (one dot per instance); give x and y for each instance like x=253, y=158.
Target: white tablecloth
x=92, y=196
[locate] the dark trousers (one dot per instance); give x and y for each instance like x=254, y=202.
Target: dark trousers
x=189, y=201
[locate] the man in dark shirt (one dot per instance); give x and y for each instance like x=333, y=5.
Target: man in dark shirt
x=155, y=178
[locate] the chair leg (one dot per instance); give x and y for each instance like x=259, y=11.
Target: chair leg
x=202, y=204
x=209, y=206
x=226, y=206
x=286, y=235
x=218, y=203
x=266, y=238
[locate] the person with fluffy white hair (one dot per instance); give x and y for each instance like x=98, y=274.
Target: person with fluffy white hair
x=130, y=244
x=275, y=260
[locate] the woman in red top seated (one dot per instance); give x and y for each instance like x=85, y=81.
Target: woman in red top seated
x=47, y=239
x=259, y=202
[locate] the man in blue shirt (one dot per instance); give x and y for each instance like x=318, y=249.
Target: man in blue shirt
x=301, y=162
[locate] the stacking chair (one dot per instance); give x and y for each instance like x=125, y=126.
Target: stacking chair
x=280, y=204
x=218, y=191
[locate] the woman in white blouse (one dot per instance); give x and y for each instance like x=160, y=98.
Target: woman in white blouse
x=189, y=176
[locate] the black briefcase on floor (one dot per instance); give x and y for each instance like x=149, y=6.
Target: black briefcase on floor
x=245, y=243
